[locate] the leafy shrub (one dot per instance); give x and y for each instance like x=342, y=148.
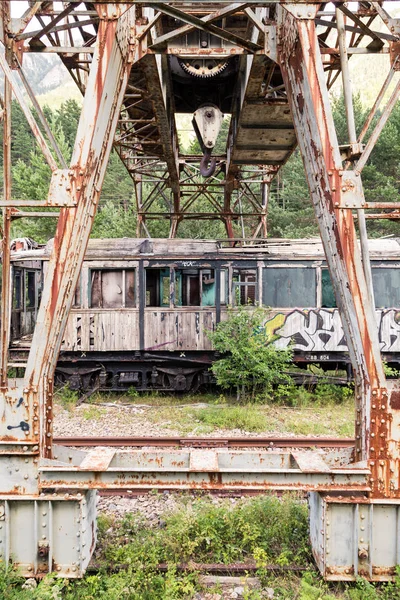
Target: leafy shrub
x=250, y=363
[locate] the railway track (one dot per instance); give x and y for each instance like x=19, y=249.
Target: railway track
x=202, y=442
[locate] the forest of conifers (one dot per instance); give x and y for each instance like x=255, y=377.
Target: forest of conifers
x=290, y=211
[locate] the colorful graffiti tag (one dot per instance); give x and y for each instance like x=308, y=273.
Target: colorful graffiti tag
x=320, y=330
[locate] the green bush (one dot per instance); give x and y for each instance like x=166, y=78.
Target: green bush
x=250, y=362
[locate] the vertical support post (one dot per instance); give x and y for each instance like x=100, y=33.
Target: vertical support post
x=304, y=79
x=265, y=190
x=6, y=291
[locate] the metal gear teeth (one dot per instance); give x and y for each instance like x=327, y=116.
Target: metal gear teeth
x=188, y=67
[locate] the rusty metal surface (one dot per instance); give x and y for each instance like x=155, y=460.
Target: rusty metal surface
x=205, y=469
x=206, y=442
x=351, y=536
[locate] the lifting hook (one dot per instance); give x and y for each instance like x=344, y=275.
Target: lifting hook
x=207, y=164
x=207, y=122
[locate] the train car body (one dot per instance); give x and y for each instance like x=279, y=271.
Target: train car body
x=143, y=308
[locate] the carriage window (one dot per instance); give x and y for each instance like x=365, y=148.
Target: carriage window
x=30, y=289
x=17, y=295
x=386, y=284
x=157, y=287
x=195, y=287
x=112, y=288
x=244, y=286
x=285, y=287
x=328, y=295
x=207, y=287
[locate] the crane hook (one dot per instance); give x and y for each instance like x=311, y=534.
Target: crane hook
x=207, y=164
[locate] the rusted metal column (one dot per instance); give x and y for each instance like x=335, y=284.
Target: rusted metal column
x=82, y=182
x=304, y=78
x=6, y=290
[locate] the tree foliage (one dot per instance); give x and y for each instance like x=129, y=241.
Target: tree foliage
x=250, y=362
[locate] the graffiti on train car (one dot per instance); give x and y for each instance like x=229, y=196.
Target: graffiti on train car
x=320, y=330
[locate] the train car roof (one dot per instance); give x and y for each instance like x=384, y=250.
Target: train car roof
x=120, y=248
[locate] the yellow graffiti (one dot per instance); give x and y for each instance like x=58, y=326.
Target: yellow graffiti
x=275, y=323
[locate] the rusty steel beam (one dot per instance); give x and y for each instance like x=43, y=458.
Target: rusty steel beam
x=303, y=74
x=6, y=290
x=104, y=95
x=186, y=17
x=162, y=40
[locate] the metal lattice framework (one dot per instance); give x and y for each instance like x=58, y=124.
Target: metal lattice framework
x=271, y=65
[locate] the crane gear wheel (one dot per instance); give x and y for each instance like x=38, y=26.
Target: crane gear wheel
x=203, y=67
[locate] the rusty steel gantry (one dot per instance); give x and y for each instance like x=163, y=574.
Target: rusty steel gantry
x=270, y=65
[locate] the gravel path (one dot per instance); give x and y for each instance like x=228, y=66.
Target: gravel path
x=131, y=420
x=113, y=421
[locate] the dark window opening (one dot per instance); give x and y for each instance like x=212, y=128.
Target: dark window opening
x=285, y=287
x=112, y=288
x=328, y=299
x=17, y=291
x=244, y=286
x=30, y=289
x=157, y=287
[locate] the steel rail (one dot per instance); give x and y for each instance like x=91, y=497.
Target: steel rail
x=223, y=442
x=213, y=568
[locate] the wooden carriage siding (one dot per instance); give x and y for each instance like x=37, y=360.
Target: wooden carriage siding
x=308, y=327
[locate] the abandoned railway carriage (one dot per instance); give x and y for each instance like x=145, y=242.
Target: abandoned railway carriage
x=142, y=308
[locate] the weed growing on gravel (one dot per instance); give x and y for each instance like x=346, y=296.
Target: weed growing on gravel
x=246, y=418
x=66, y=397
x=93, y=413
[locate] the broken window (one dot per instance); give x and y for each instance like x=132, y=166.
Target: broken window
x=157, y=287
x=244, y=286
x=285, y=287
x=112, y=288
x=195, y=287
